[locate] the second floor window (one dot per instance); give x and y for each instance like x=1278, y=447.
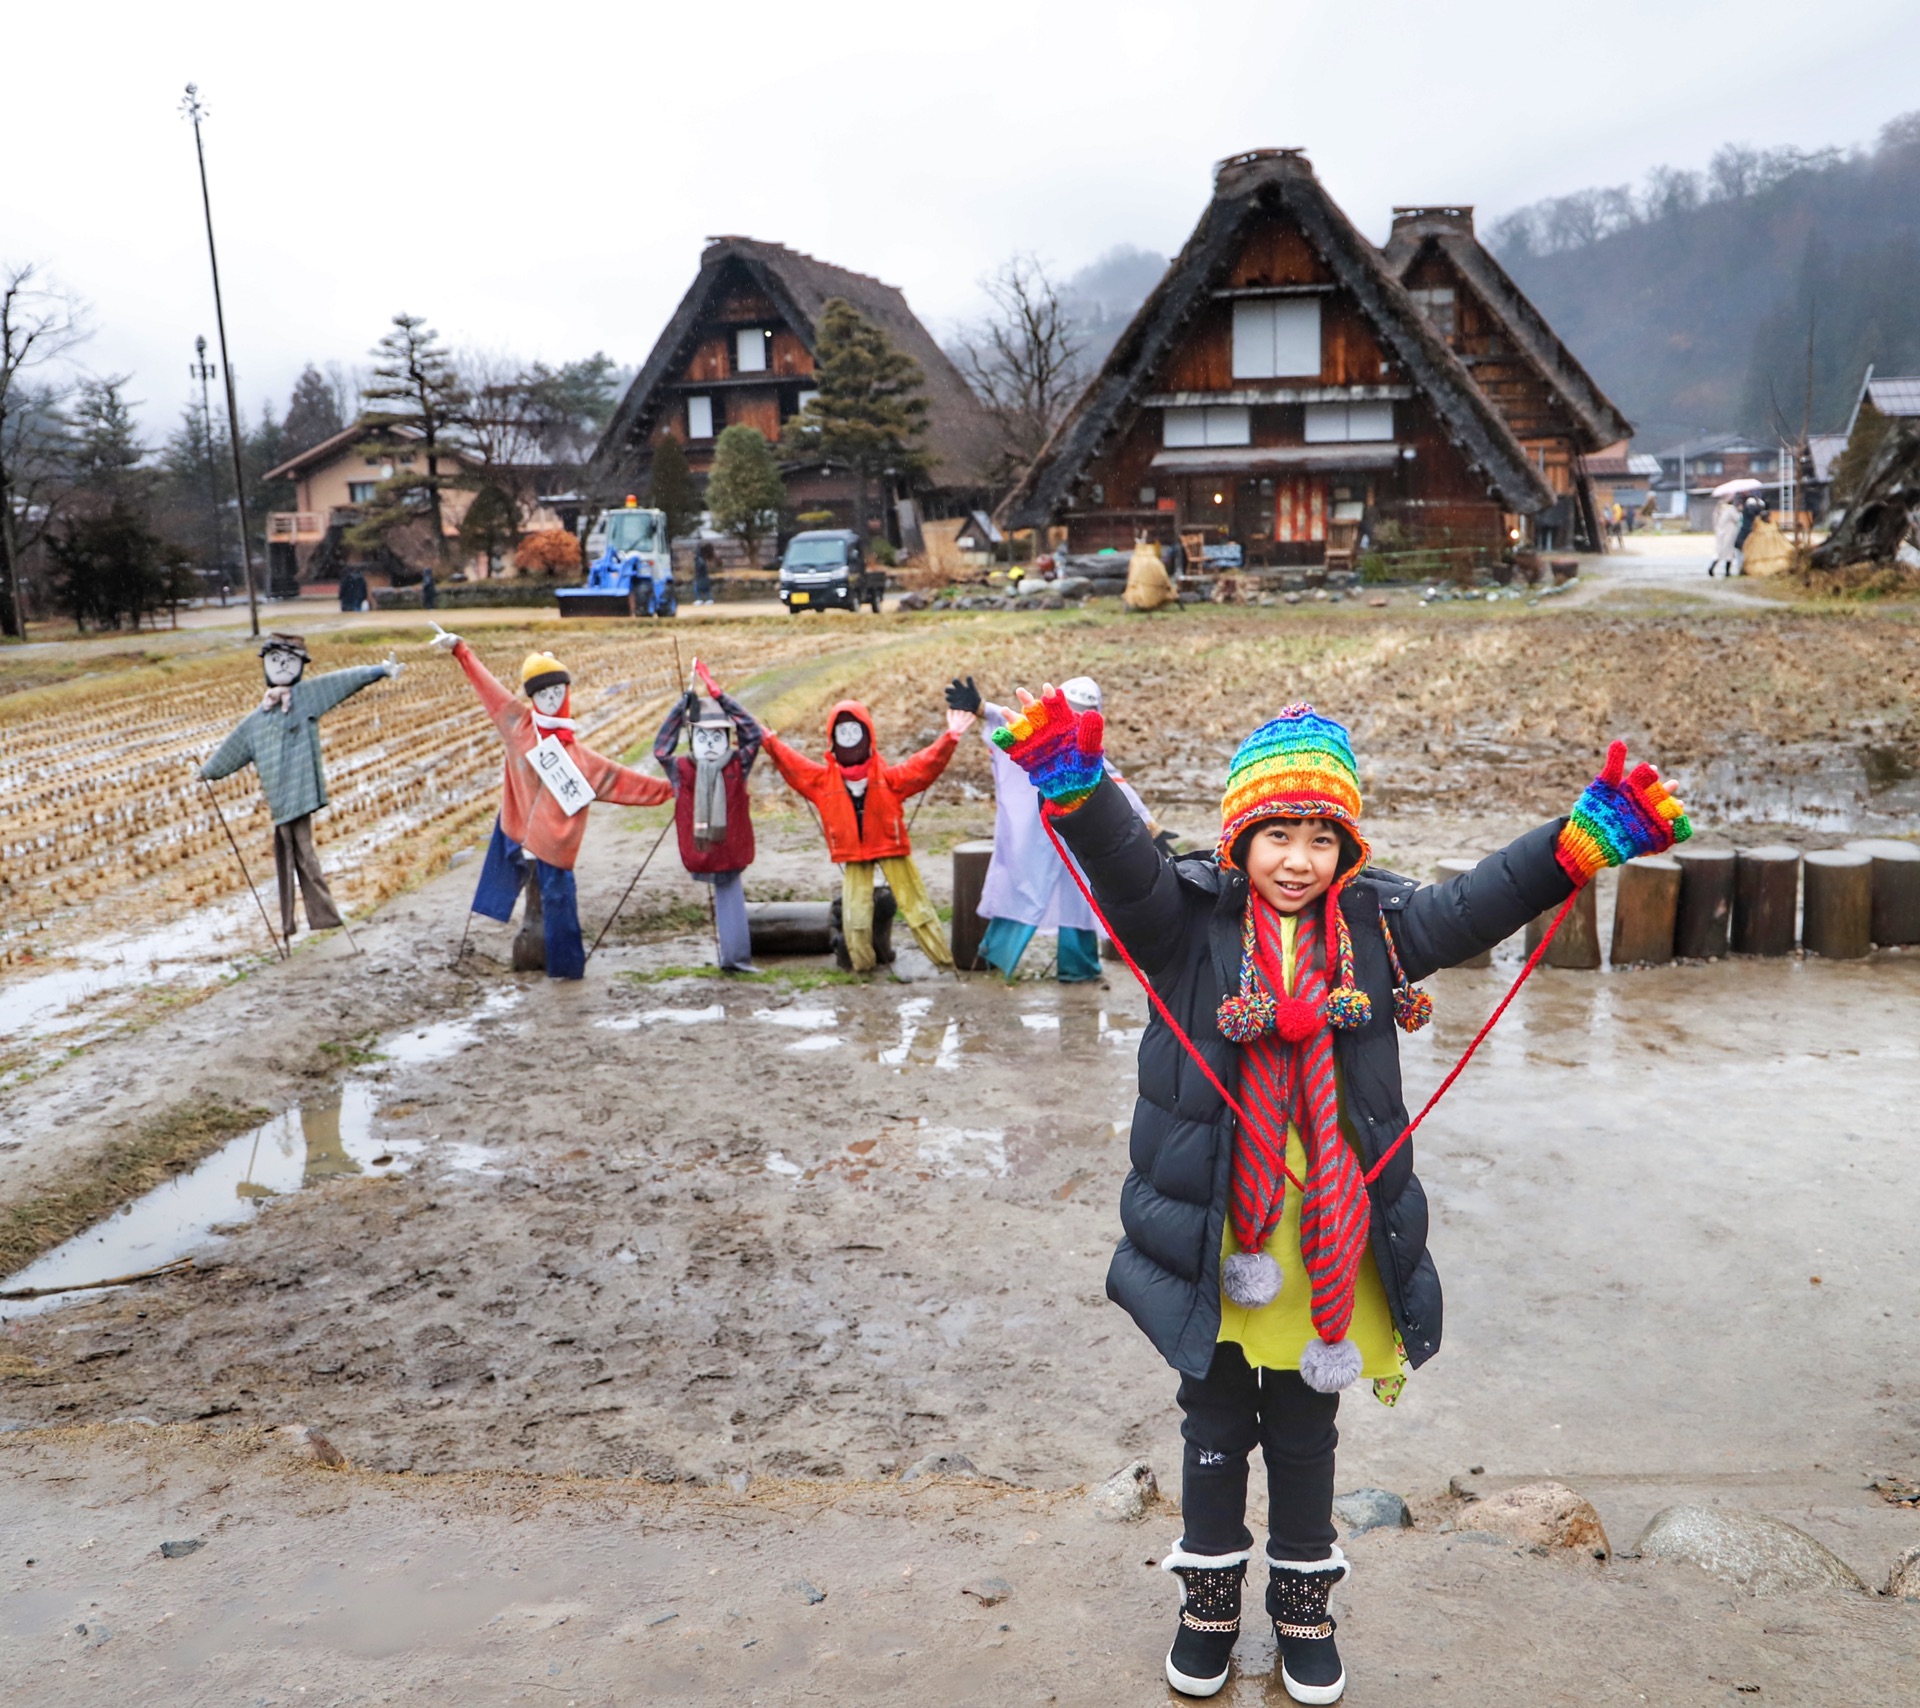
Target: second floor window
x=360, y=491
x=750, y=350
x=699, y=418
x=1276, y=338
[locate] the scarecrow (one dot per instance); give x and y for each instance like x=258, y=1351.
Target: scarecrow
x=1028, y=888
x=710, y=812
x=281, y=739
x=550, y=779
x=858, y=796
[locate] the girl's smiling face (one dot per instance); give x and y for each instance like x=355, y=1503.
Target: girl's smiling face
x=1291, y=862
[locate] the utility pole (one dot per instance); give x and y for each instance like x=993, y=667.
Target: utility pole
x=191, y=107
x=202, y=370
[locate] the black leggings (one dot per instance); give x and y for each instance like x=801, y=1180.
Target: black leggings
x=1229, y=1411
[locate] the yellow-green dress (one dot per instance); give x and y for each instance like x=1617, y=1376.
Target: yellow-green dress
x=1273, y=1335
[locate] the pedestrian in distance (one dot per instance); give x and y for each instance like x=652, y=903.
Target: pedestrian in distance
x=280, y=738
x=1752, y=508
x=861, y=802
x=1274, y=1245
x=353, y=588
x=549, y=779
x=429, y=592
x=702, y=574
x=1726, y=530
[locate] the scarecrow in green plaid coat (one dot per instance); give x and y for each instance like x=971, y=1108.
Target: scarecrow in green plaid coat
x=281, y=739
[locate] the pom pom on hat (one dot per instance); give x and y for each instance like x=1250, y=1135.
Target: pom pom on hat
x=1246, y=1015
x=1348, y=1009
x=1295, y=1020
x=1251, y=1278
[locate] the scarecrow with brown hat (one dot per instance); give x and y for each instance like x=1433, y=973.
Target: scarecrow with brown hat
x=280, y=738
x=711, y=816
x=550, y=778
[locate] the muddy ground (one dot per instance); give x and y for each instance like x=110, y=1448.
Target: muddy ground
x=695, y=1233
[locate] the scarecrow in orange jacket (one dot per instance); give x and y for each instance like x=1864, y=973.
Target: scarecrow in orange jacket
x=859, y=798
x=551, y=778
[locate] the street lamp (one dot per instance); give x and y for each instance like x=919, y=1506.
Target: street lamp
x=191, y=107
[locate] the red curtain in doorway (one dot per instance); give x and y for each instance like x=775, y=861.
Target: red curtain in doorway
x=1299, y=509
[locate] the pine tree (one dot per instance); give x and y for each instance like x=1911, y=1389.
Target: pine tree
x=414, y=387
x=870, y=411
x=672, y=488
x=313, y=413
x=108, y=457
x=745, y=491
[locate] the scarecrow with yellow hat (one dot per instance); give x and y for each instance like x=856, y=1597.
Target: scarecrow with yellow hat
x=551, y=777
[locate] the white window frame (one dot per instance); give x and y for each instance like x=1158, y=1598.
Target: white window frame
x=1192, y=426
x=750, y=341
x=700, y=417
x=1276, y=338
x=1366, y=422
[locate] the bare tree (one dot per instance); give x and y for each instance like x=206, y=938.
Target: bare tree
x=1024, y=360
x=38, y=324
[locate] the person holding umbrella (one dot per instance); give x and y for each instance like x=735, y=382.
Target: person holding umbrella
x=1731, y=525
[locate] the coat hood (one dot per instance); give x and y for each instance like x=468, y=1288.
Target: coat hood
x=850, y=709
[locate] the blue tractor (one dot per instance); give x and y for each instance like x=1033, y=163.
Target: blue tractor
x=633, y=574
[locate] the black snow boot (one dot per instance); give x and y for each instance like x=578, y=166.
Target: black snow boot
x=1297, y=1592
x=1209, y=1619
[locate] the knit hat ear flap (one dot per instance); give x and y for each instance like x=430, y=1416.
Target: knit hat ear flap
x=1348, y=1006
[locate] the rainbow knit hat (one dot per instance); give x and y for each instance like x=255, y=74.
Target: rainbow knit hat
x=1300, y=765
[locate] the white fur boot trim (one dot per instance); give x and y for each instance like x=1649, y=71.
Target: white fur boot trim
x=1180, y=1558
x=1328, y=1368
x=1335, y=1559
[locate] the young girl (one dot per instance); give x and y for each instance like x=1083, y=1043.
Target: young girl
x=1275, y=1246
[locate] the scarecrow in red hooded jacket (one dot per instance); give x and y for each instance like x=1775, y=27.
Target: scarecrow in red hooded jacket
x=860, y=797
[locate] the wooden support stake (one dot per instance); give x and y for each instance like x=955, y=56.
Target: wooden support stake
x=970, y=862
x=1576, y=947
x=1766, y=888
x=1703, y=929
x=1839, y=914
x=1896, y=890
x=1454, y=867
x=1646, y=907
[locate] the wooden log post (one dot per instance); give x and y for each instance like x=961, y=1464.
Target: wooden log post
x=1896, y=890
x=970, y=862
x=1646, y=908
x=1839, y=908
x=1703, y=928
x=790, y=927
x=1576, y=947
x=1452, y=867
x=1766, y=888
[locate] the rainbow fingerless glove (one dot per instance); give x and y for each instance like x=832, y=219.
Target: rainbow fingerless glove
x=1058, y=748
x=1619, y=817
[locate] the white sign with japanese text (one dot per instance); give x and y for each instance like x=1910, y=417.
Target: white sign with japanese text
x=554, y=766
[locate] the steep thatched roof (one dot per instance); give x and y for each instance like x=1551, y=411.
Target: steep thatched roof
x=960, y=434
x=1245, y=186
x=1450, y=230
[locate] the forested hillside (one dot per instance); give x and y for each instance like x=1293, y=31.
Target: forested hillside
x=1690, y=300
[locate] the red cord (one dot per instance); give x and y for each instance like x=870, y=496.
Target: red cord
x=1200, y=1061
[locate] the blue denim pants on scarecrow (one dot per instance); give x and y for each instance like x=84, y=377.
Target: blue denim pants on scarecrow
x=504, y=871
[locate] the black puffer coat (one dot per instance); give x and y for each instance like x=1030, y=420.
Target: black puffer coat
x=1181, y=919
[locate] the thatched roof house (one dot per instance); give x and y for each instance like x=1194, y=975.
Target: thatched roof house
x=1278, y=379
x=739, y=348
x=1549, y=400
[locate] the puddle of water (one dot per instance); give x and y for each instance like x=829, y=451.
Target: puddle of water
x=1829, y=789
x=316, y=1142
x=919, y=1148
x=778, y=1164
x=662, y=1016
x=197, y=951
x=1040, y=1022
x=809, y=1019
x=912, y=1012
x=817, y=1042
x=446, y=1038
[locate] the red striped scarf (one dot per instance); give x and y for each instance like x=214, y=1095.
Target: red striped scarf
x=1282, y=1081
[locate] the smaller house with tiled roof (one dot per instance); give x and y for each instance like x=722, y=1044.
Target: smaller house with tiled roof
x=739, y=349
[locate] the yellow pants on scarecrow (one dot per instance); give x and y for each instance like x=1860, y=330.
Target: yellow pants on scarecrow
x=910, y=896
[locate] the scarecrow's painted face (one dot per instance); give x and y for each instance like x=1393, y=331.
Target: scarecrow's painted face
x=283, y=667
x=711, y=744
x=550, y=700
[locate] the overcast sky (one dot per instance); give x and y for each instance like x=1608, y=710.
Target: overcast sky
x=539, y=178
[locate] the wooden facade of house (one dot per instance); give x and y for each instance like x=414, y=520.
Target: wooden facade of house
x=1278, y=380
x=739, y=351
x=1542, y=392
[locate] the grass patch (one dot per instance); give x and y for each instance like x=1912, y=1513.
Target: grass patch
x=352, y=1055
x=119, y=1170
x=792, y=978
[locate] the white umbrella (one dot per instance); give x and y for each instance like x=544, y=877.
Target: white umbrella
x=1733, y=488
